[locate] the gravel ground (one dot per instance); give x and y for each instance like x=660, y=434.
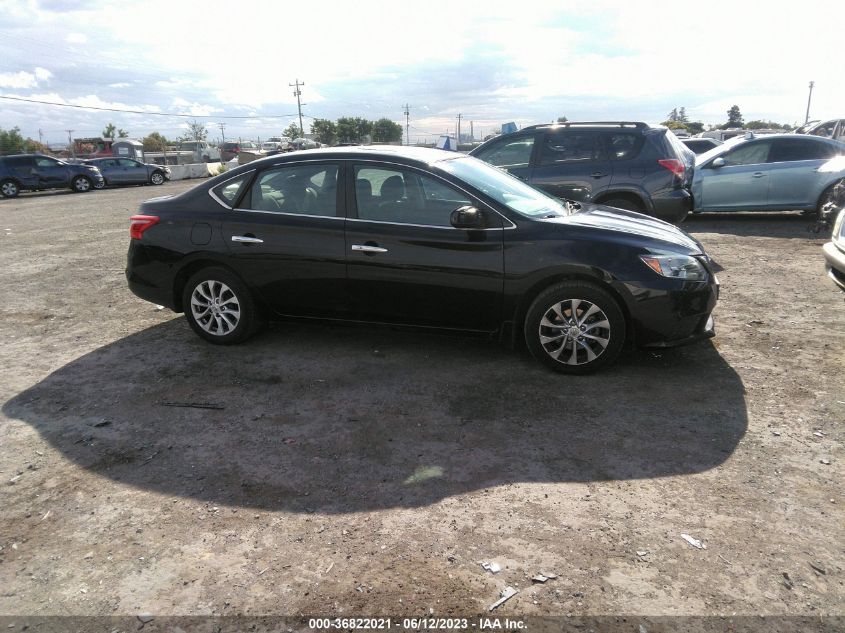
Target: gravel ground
x=362, y=471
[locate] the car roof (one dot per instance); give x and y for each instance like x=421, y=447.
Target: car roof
x=418, y=155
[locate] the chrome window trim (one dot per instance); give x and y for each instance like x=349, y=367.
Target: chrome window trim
x=293, y=215
x=216, y=198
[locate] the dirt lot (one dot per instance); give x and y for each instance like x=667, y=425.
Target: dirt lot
x=356, y=470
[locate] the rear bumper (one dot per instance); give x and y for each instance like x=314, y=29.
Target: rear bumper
x=835, y=264
x=671, y=203
x=149, y=278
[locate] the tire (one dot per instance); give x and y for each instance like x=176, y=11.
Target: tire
x=9, y=189
x=827, y=196
x=157, y=178
x=600, y=328
x=232, y=319
x=81, y=184
x=100, y=185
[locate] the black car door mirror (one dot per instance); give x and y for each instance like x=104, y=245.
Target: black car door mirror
x=718, y=162
x=467, y=217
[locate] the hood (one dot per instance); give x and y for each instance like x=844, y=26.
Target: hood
x=598, y=216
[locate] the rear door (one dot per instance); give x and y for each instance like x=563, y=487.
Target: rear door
x=23, y=169
x=407, y=264
x=741, y=183
x=793, y=165
x=572, y=164
x=285, y=237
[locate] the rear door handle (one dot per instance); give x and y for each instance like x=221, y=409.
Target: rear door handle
x=246, y=239
x=758, y=174
x=366, y=248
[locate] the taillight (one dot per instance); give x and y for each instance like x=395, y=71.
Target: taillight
x=140, y=223
x=674, y=165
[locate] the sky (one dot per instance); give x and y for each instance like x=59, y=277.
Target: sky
x=491, y=62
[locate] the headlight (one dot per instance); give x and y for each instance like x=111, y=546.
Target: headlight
x=676, y=266
x=839, y=226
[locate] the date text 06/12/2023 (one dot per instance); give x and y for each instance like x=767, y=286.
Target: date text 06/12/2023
x=417, y=624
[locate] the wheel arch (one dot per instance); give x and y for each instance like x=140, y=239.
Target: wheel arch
x=626, y=194
x=191, y=268
x=599, y=278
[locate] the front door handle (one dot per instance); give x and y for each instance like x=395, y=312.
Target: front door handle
x=598, y=174
x=366, y=248
x=247, y=239
x=758, y=174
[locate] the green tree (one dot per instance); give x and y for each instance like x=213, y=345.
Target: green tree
x=112, y=132
x=672, y=116
x=734, y=118
x=682, y=115
x=11, y=141
x=386, y=131
x=695, y=127
x=562, y=119
x=325, y=131
x=292, y=131
x=759, y=124
x=154, y=142
x=196, y=132
x=674, y=125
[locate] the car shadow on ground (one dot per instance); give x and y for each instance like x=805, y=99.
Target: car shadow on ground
x=762, y=224
x=310, y=417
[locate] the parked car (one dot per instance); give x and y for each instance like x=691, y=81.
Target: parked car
x=269, y=146
x=419, y=237
x=834, y=251
x=777, y=172
x=35, y=172
x=202, y=151
x=701, y=145
x=625, y=165
x=832, y=128
x=231, y=149
x=127, y=171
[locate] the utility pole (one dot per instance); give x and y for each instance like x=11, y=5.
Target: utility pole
x=472, y=131
x=296, y=94
x=458, y=138
x=40, y=137
x=807, y=118
x=407, y=124
x=70, y=143
x=223, y=131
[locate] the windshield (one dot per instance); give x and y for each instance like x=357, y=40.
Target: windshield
x=504, y=188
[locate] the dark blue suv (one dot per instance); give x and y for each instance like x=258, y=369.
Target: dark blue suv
x=35, y=172
x=616, y=163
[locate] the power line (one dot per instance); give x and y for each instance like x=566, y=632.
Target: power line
x=189, y=116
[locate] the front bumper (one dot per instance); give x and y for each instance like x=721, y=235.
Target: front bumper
x=835, y=264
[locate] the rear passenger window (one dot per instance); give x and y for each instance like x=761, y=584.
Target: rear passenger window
x=230, y=190
x=784, y=150
x=623, y=146
x=571, y=147
x=300, y=189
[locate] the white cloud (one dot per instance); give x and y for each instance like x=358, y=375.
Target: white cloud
x=120, y=84
x=42, y=74
x=76, y=38
x=20, y=79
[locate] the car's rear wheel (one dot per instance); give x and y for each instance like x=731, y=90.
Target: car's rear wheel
x=157, y=178
x=575, y=327
x=9, y=189
x=219, y=308
x=81, y=184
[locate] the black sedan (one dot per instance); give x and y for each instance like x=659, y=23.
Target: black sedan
x=419, y=237
x=127, y=171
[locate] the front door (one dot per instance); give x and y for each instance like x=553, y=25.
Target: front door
x=741, y=183
x=132, y=171
x=286, y=237
x=406, y=262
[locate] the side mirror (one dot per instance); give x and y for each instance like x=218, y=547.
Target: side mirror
x=467, y=217
x=718, y=162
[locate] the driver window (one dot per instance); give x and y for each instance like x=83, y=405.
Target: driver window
x=46, y=162
x=749, y=154
x=405, y=197
x=514, y=153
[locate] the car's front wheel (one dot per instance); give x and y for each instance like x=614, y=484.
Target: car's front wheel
x=219, y=307
x=81, y=184
x=575, y=327
x=157, y=178
x=9, y=189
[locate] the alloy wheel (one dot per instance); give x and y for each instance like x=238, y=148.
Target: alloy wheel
x=574, y=331
x=215, y=307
